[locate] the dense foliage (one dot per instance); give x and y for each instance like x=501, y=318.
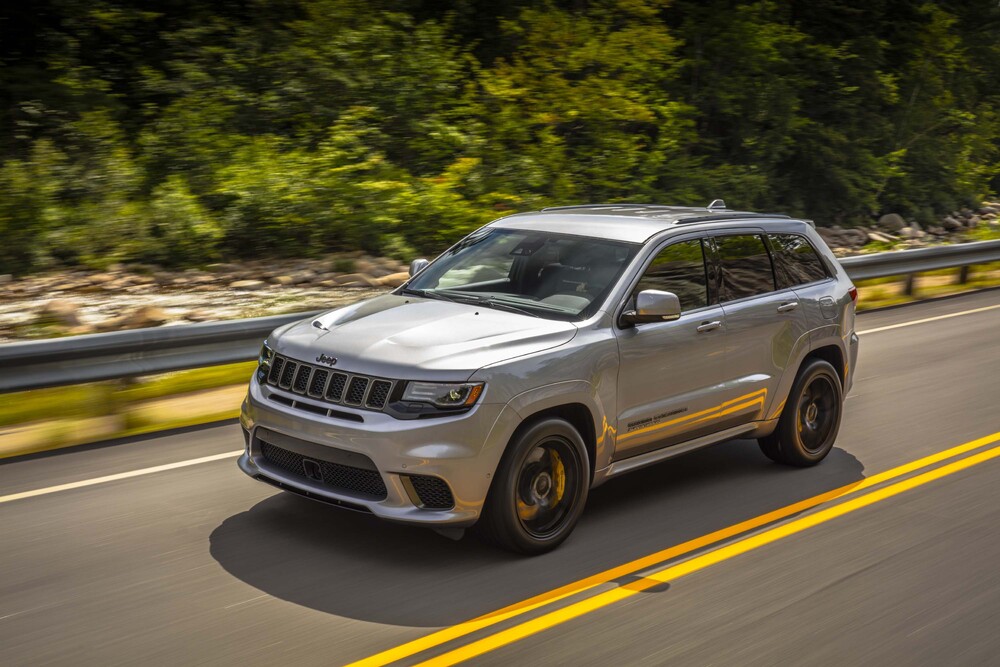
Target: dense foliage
x=180, y=131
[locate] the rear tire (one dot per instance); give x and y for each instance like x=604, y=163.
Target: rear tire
x=810, y=421
x=539, y=490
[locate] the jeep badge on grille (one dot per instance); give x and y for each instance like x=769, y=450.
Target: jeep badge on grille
x=326, y=359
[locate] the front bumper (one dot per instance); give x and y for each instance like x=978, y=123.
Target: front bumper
x=463, y=450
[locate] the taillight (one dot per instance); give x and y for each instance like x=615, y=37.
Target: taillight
x=854, y=293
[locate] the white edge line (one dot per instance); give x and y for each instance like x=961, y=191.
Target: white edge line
x=928, y=319
x=121, y=475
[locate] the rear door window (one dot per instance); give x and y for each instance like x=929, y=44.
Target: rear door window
x=746, y=266
x=796, y=261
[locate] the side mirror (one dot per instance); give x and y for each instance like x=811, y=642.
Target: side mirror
x=417, y=265
x=653, y=306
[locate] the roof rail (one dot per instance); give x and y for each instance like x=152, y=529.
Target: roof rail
x=621, y=205
x=730, y=216
x=717, y=204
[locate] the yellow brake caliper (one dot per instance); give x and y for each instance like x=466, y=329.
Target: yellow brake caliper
x=558, y=475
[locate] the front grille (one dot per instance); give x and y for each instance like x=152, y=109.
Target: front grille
x=433, y=492
x=335, y=391
x=379, y=394
x=330, y=386
x=318, y=382
x=358, y=481
x=356, y=390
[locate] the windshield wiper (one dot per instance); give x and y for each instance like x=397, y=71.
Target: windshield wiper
x=427, y=294
x=490, y=302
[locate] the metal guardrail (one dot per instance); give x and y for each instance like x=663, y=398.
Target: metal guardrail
x=908, y=262
x=123, y=354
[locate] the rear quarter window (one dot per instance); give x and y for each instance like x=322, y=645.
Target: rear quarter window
x=796, y=261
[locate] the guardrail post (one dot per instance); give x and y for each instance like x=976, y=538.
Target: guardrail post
x=911, y=284
x=963, y=274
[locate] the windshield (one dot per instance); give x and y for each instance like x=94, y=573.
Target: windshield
x=555, y=276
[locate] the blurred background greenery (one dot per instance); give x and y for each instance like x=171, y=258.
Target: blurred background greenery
x=181, y=132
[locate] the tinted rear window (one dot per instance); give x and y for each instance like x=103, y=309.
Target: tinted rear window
x=746, y=266
x=796, y=261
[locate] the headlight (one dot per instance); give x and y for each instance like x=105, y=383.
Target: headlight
x=264, y=362
x=266, y=354
x=444, y=395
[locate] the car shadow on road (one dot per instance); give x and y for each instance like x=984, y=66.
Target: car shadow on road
x=355, y=566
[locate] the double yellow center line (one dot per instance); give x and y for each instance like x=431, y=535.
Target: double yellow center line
x=698, y=562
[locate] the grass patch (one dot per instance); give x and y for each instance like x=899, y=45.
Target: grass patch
x=107, y=398
x=880, y=293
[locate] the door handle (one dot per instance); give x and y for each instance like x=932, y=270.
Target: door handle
x=788, y=307
x=709, y=326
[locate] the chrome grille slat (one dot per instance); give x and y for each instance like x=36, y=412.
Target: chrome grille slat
x=330, y=386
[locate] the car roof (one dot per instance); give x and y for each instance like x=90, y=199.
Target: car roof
x=633, y=223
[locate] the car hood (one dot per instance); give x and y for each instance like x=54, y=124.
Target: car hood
x=415, y=338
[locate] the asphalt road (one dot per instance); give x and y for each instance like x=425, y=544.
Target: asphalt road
x=200, y=565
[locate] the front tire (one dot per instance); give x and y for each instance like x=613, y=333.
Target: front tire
x=539, y=490
x=810, y=421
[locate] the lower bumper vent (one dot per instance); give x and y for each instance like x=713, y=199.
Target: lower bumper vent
x=357, y=481
x=433, y=492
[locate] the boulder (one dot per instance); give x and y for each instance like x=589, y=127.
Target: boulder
x=300, y=277
x=828, y=234
x=879, y=237
x=246, y=285
x=394, y=279
x=356, y=280
x=950, y=223
x=62, y=312
x=892, y=222
x=281, y=280
x=144, y=317
x=6, y=278
x=101, y=278
x=854, y=238
x=911, y=233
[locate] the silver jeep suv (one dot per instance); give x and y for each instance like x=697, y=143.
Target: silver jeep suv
x=548, y=352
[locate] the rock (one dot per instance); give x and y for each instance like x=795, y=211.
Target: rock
x=878, y=237
x=357, y=280
x=855, y=238
x=6, y=278
x=892, y=222
x=302, y=277
x=363, y=266
x=281, y=280
x=973, y=221
x=145, y=316
x=829, y=235
x=197, y=315
x=912, y=233
x=101, y=278
x=936, y=231
x=394, y=279
x=951, y=223
x=246, y=285
x=62, y=312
